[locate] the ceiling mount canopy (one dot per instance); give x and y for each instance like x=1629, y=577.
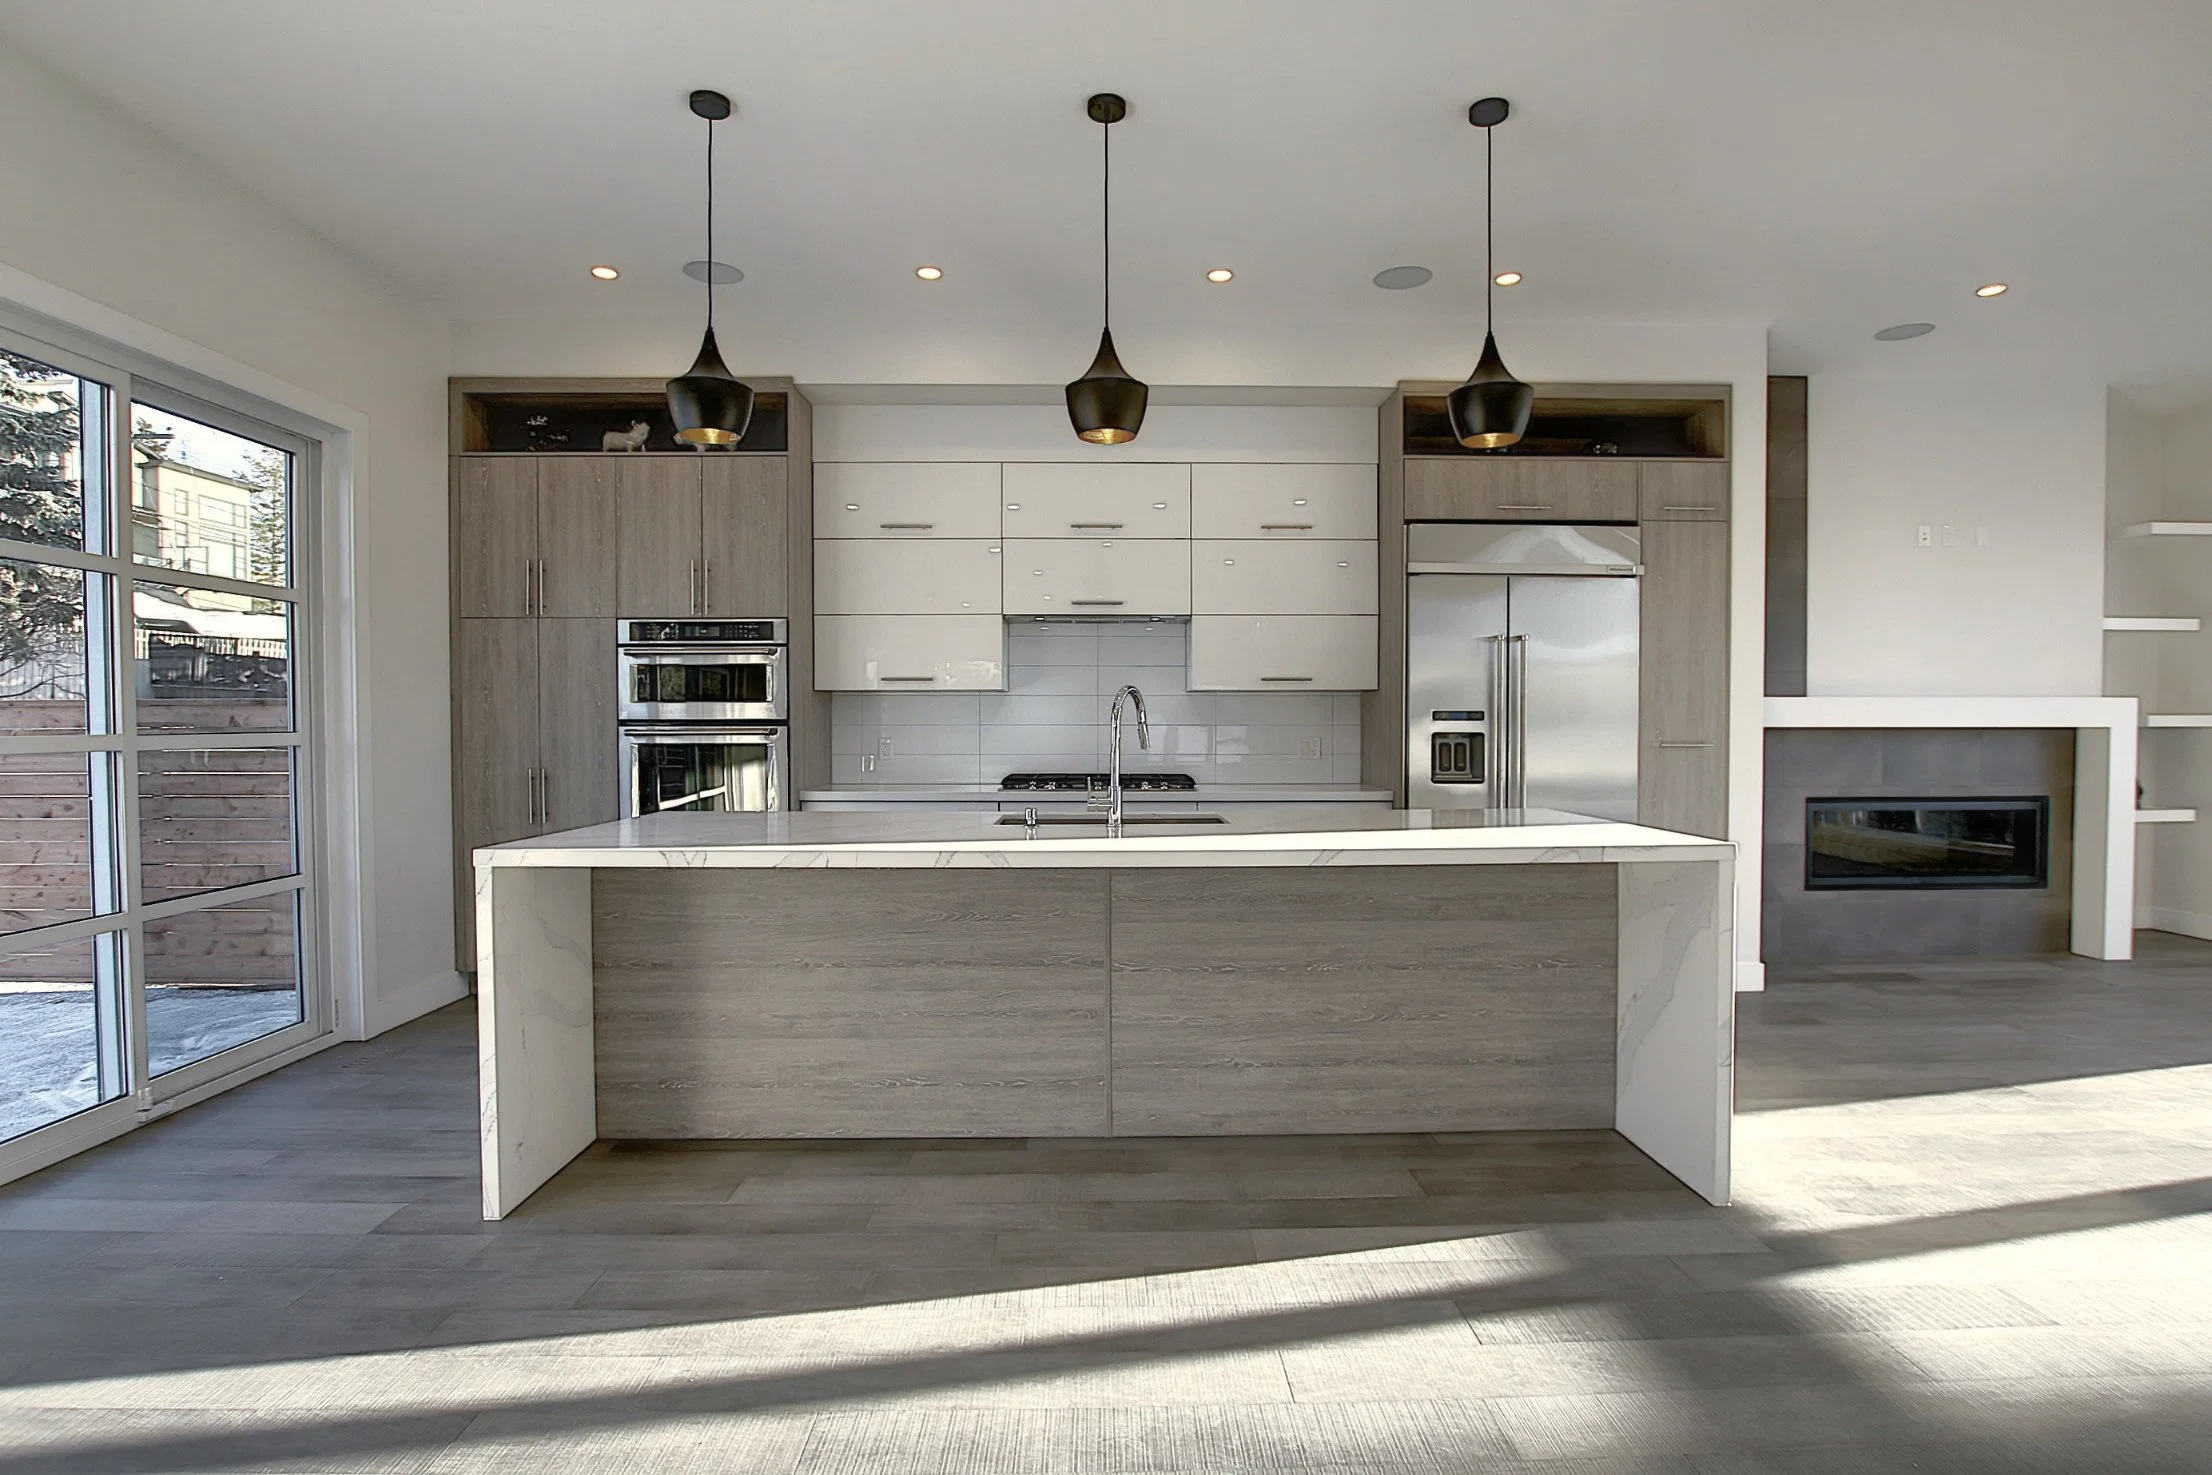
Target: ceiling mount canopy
x=710, y=405
x=1106, y=405
x=1490, y=411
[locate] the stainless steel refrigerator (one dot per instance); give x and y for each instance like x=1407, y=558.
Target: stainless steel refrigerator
x=1521, y=667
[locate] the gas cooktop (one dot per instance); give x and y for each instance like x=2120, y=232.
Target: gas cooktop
x=1082, y=783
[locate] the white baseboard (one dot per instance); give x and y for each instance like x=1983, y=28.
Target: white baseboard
x=389, y=1011
x=1751, y=978
x=2188, y=924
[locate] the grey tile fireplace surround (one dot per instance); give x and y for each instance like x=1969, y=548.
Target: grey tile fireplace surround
x=1817, y=763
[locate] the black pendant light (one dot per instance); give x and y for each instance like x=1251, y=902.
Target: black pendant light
x=1107, y=404
x=710, y=405
x=1490, y=411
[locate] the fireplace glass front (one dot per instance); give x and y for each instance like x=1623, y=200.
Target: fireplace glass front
x=1926, y=844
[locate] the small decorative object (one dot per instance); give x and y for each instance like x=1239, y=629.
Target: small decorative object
x=543, y=437
x=1604, y=448
x=632, y=439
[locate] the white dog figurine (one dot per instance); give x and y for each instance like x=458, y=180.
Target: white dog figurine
x=632, y=439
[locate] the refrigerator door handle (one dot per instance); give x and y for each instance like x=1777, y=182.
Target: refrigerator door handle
x=1501, y=723
x=1519, y=647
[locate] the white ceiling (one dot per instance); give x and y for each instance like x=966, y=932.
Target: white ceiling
x=1826, y=169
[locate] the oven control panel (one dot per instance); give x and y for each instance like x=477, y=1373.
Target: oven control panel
x=702, y=632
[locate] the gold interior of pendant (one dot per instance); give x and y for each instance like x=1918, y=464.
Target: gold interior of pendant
x=1489, y=440
x=1110, y=435
x=708, y=435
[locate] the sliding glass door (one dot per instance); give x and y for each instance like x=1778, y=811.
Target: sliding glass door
x=156, y=910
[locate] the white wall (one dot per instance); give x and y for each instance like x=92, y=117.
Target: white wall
x=110, y=228
x=2023, y=458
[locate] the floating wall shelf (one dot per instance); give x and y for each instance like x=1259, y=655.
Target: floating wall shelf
x=2165, y=816
x=2153, y=622
x=2167, y=530
x=2178, y=719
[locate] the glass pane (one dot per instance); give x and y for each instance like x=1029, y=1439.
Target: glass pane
x=42, y=646
x=53, y=817
x=45, y=452
x=213, y=817
x=207, y=500
x=218, y=978
x=207, y=661
x=51, y=1001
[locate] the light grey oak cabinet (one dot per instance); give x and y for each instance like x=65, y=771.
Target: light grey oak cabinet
x=530, y=536
x=703, y=535
x=1682, y=777
x=1531, y=489
x=535, y=740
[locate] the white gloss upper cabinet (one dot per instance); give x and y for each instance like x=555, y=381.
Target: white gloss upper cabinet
x=1288, y=502
x=890, y=576
x=1097, y=576
x=1255, y=576
x=1282, y=653
x=1081, y=500
x=909, y=653
x=906, y=499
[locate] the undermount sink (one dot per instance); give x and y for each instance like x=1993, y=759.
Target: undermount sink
x=1127, y=819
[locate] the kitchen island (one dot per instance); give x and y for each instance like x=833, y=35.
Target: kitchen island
x=807, y=975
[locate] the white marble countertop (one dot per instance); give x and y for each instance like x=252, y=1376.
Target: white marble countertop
x=1217, y=793
x=1280, y=837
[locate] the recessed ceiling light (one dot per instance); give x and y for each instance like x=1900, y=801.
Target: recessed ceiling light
x=605, y=273
x=1507, y=279
x=723, y=273
x=1399, y=278
x=1992, y=289
x=1903, y=331
x=1220, y=274
x=929, y=273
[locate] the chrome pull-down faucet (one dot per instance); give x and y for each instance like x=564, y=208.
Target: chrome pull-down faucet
x=1113, y=755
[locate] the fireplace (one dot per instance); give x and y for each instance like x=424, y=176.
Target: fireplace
x=1927, y=844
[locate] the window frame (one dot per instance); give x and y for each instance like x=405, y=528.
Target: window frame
x=112, y=705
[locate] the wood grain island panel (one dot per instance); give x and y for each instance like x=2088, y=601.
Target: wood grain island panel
x=1399, y=999
x=811, y=1003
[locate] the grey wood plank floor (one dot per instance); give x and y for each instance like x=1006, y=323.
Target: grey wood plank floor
x=1974, y=1232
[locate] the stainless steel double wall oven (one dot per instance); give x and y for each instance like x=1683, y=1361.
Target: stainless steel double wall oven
x=703, y=714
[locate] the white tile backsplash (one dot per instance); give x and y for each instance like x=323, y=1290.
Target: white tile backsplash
x=1061, y=677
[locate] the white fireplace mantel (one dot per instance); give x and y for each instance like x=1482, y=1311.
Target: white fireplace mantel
x=2104, y=784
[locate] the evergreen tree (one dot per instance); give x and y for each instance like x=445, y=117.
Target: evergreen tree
x=41, y=501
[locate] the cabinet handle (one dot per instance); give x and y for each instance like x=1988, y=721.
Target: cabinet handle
x=1524, y=506
x=545, y=796
x=1098, y=601
x=531, y=781
x=906, y=678
x=1685, y=745
x=1094, y=524
x=541, y=587
x=1286, y=678
x=906, y=527
x=706, y=585
x=695, y=586
x=1689, y=509
x=1286, y=527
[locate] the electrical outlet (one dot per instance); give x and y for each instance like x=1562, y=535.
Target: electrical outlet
x=1309, y=747
x=1927, y=536
x=883, y=747
x=867, y=763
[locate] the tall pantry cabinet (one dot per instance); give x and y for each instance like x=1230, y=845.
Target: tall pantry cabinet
x=549, y=550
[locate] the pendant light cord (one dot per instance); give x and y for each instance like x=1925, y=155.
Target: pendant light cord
x=710, y=225
x=1489, y=231
x=1106, y=227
